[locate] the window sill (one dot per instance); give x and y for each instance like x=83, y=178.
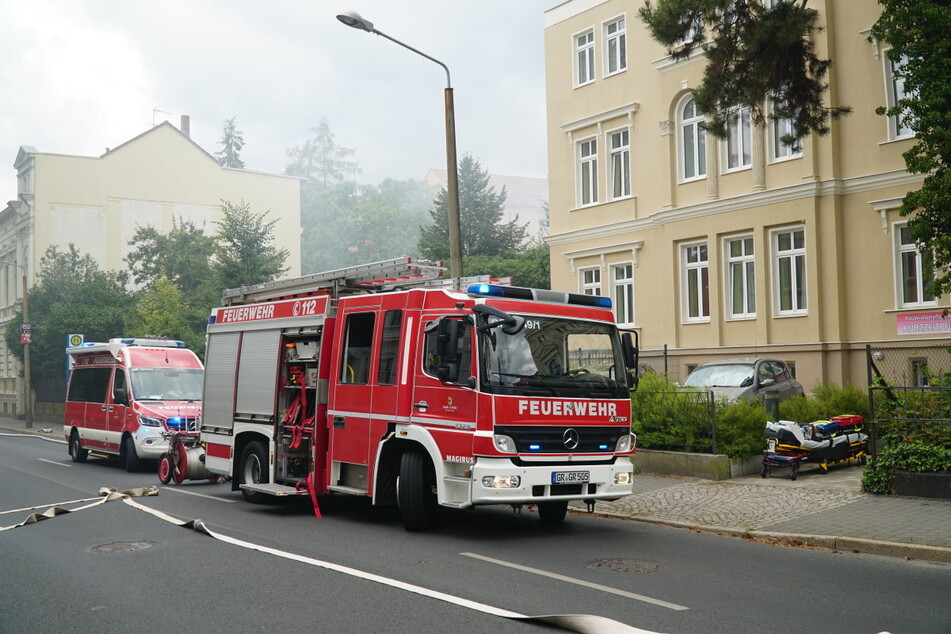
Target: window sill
x=693, y=322
x=734, y=170
x=804, y=313
x=732, y=318
x=915, y=307
x=695, y=179
x=899, y=139
x=615, y=73
x=587, y=83
x=784, y=159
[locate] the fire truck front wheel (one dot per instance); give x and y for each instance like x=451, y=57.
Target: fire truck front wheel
x=415, y=491
x=552, y=512
x=253, y=470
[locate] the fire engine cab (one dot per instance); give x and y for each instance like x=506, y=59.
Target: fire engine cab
x=386, y=380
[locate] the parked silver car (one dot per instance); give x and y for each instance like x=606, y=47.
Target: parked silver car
x=733, y=379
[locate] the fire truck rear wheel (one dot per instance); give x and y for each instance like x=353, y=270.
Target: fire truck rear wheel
x=414, y=491
x=252, y=470
x=132, y=462
x=552, y=512
x=76, y=450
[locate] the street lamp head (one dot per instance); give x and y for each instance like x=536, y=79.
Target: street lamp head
x=353, y=19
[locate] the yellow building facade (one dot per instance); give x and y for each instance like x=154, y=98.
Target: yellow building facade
x=98, y=203
x=742, y=246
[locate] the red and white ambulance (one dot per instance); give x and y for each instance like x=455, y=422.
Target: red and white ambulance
x=372, y=381
x=123, y=394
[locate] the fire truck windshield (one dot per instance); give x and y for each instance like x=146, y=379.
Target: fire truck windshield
x=166, y=384
x=549, y=356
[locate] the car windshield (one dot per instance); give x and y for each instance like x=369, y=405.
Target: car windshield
x=166, y=384
x=552, y=357
x=734, y=375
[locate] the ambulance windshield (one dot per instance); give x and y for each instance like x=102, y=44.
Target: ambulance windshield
x=551, y=357
x=166, y=384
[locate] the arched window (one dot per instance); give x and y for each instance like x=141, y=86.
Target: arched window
x=693, y=152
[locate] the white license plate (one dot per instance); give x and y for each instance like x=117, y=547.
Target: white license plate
x=570, y=477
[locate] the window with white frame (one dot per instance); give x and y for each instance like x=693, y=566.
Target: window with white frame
x=587, y=172
x=615, y=46
x=591, y=281
x=915, y=275
x=695, y=282
x=780, y=128
x=789, y=252
x=741, y=277
x=584, y=58
x=895, y=91
x=623, y=286
x=693, y=154
x=620, y=144
x=736, y=145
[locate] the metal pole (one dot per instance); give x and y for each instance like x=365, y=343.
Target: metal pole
x=27, y=386
x=452, y=189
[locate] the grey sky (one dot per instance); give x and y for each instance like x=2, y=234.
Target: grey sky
x=84, y=75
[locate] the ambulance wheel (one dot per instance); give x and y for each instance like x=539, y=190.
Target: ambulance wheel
x=76, y=450
x=552, y=512
x=252, y=470
x=414, y=491
x=132, y=462
x=794, y=471
x=165, y=468
x=764, y=473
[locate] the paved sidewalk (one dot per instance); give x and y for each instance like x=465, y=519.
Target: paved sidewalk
x=816, y=510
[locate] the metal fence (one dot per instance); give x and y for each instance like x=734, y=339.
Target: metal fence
x=675, y=421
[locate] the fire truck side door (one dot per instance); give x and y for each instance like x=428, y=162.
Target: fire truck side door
x=445, y=407
x=118, y=409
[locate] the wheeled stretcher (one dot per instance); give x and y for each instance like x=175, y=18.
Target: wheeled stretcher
x=825, y=442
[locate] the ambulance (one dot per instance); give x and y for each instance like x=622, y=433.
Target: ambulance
x=123, y=394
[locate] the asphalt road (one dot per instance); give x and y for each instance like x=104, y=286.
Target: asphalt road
x=117, y=567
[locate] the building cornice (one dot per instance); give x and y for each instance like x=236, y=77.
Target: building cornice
x=811, y=189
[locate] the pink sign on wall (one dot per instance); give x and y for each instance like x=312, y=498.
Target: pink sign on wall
x=933, y=323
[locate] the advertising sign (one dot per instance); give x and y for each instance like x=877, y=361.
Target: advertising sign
x=930, y=323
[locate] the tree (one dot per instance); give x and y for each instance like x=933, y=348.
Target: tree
x=232, y=140
x=71, y=295
x=347, y=223
x=320, y=159
x=531, y=267
x=481, y=210
x=758, y=55
x=245, y=251
x=161, y=311
x=919, y=33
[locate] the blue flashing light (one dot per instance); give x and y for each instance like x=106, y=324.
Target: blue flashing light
x=539, y=295
x=487, y=289
x=602, y=447
x=534, y=447
x=603, y=302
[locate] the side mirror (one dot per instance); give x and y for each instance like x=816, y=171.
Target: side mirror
x=120, y=397
x=631, y=352
x=447, y=349
x=766, y=382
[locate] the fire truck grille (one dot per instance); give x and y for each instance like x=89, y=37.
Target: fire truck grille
x=562, y=439
x=182, y=424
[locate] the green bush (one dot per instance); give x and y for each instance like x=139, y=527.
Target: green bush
x=740, y=428
x=826, y=400
x=917, y=455
x=667, y=417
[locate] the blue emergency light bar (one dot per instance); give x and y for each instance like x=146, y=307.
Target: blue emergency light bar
x=538, y=294
x=165, y=343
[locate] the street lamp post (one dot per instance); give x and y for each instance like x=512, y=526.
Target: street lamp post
x=24, y=337
x=353, y=19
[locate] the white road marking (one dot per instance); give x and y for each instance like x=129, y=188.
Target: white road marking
x=58, y=464
x=588, y=584
x=200, y=495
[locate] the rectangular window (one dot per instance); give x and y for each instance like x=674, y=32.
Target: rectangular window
x=780, y=128
x=736, y=145
x=620, y=144
x=389, y=347
x=789, y=248
x=696, y=282
x=584, y=58
x=741, y=284
x=356, y=355
x=623, y=282
x=591, y=281
x=915, y=275
x=615, y=46
x=587, y=172
x=895, y=89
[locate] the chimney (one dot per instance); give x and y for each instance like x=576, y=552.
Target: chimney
x=186, y=126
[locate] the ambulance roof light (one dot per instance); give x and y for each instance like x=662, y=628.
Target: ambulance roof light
x=537, y=294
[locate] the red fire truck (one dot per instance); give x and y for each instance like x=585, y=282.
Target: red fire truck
x=385, y=381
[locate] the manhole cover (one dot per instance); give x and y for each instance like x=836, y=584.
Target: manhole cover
x=627, y=565
x=122, y=547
